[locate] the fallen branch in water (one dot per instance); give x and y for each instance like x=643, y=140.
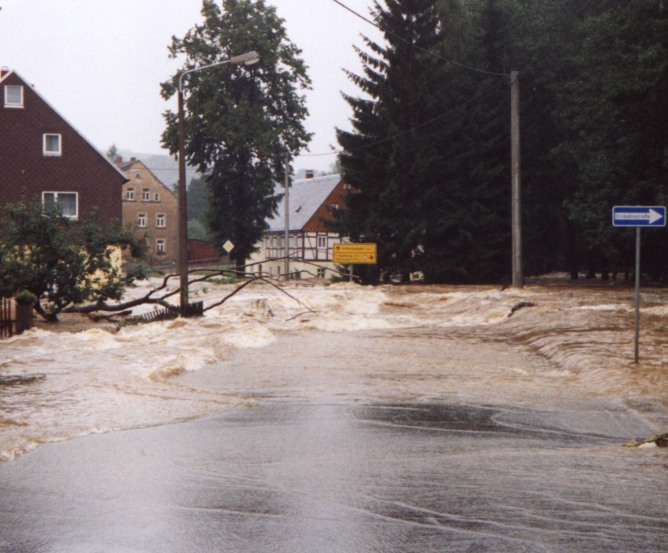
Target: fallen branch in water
x=162, y=300
x=255, y=279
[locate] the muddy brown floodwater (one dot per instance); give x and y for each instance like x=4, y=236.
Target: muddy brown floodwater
x=362, y=419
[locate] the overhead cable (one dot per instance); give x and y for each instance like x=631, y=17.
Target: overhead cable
x=424, y=51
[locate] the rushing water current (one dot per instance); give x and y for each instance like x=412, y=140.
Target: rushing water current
x=343, y=419
x=340, y=342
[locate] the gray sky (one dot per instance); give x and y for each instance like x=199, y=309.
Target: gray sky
x=99, y=63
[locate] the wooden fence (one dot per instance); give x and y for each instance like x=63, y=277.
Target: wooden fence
x=9, y=325
x=167, y=313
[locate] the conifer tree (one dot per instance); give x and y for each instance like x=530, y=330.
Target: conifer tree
x=425, y=151
x=390, y=157
x=615, y=117
x=468, y=238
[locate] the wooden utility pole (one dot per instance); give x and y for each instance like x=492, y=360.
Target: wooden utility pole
x=182, y=249
x=287, y=215
x=518, y=278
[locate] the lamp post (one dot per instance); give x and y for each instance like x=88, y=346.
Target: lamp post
x=248, y=58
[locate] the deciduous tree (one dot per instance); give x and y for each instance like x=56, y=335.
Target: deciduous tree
x=240, y=120
x=60, y=262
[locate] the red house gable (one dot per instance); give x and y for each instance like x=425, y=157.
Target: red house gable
x=335, y=200
x=42, y=157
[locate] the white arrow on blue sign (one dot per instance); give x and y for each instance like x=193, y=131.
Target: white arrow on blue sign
x=638, y=216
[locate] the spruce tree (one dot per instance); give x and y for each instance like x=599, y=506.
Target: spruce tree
x=615, y=111
x=468, y=236
x=390, y=157
x=429, y=150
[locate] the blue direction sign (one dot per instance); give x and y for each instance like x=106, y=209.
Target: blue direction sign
x=638, y=216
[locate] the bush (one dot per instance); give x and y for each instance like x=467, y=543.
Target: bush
x=59, y=262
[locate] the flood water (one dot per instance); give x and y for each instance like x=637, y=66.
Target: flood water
x=354, y=419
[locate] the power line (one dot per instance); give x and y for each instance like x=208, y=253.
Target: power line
x=423, y=50
x=480, y=94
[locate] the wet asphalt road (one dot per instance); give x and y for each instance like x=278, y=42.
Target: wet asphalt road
x=305, y=478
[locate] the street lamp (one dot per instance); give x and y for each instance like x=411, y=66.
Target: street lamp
x=248, y=58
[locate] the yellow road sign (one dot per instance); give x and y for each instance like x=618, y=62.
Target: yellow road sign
x=349, y=254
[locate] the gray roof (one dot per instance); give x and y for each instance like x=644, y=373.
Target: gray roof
x=306, y=196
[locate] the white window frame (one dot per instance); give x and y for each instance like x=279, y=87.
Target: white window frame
x=156, y=197
x=130, y=194
x=52, y=153
x=8, y=102
x=322, y=242
x=142, y=220
x=146, y=195
x=72, y=217
x=160, y=246
x=160, y=220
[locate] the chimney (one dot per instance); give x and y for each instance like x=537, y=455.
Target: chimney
x=3, y=71
x=309, y=174
x=119, y=161
x=133, y=159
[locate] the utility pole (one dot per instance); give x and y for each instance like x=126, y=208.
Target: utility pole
x=287, y=215
x=516, y=196
x=182, y=249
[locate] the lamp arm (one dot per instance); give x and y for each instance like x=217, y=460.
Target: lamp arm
x=248, y=58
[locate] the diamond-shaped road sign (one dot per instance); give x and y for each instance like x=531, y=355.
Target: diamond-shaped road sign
x=638, y=216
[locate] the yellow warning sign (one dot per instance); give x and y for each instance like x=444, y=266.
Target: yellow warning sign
x=349, y=254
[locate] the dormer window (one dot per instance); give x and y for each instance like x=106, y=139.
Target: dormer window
x=13, y=96
x=52, y=145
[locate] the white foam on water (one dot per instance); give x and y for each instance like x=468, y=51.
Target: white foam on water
x=80, y=382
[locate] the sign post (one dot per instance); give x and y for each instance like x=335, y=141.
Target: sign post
x=638, y=217
x=355, y=254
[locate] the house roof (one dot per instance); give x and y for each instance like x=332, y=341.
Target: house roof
x=6, y=73
x=305, y=197
x=127, y=166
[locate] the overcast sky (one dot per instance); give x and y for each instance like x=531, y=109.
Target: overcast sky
x=100, y=63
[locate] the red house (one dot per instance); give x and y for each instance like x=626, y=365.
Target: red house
x=42, y=157
x=203, y=253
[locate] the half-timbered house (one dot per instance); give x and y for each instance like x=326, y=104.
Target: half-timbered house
x=312, y=203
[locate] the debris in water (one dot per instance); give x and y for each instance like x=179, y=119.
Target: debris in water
x=520, y=305
x=658, y=440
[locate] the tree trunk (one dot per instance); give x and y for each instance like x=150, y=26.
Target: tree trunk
x=240, y=269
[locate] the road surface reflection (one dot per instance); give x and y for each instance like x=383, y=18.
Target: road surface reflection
x=340, y=478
